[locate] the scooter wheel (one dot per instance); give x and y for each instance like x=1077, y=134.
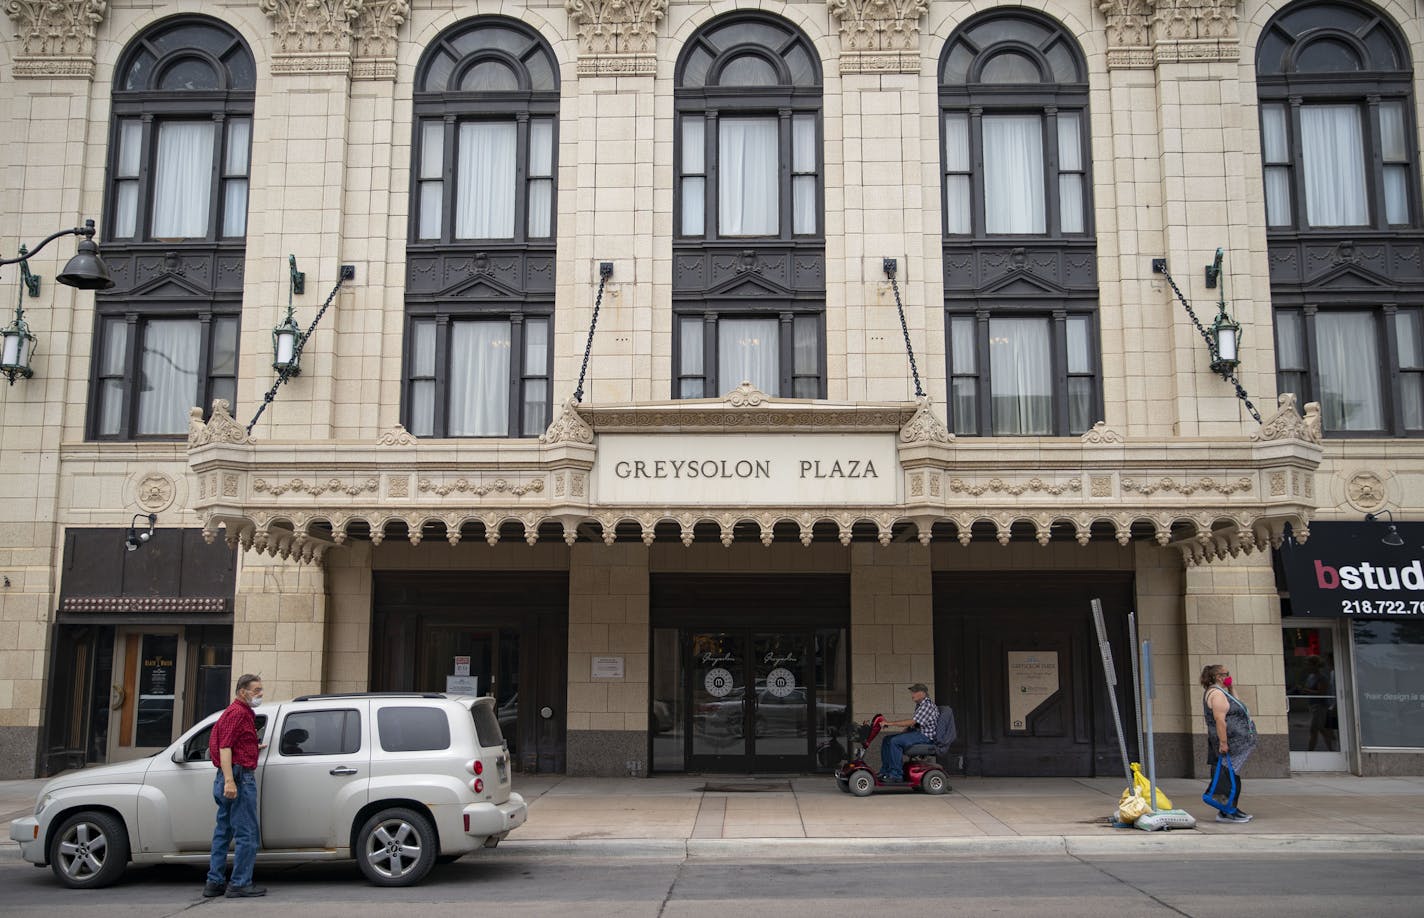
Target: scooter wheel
x=934, y=782
x=862, y=784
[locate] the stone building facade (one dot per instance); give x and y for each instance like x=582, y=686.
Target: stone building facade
x=429, y=499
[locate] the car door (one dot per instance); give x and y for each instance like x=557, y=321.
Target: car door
x=316, y=775
x=177, y=810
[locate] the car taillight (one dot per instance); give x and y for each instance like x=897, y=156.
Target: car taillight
x=479, y=767
x=479, y=785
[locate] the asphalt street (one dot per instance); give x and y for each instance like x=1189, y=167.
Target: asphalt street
x=520, y=884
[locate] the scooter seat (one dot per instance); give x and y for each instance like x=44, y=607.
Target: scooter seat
x=922, y=749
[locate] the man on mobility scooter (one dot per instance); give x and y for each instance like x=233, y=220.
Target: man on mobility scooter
x=910, y=758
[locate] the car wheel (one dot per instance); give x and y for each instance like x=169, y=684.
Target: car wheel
x=862, y=784
x=89, y=850
x=396, y=847
x=934, y=782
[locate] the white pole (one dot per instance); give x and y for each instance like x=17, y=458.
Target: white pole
x=1151, y=694
x=1136, y=678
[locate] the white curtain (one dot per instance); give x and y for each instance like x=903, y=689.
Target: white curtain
x=1013, y=174
x=479, y=379
x=747, y=351
x=748, y=190
x=484, y=187
x=183, y=180
x=1020, y=376
x=956, y=167
x=422, y=389
x=170, y=375
x=1333, y=155
x=1349, y=352
x=694, y=156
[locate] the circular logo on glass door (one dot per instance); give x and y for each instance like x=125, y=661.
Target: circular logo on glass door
x=718, y=682
x=780, y=682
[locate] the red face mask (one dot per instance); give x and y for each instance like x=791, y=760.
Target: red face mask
x=1226, y=682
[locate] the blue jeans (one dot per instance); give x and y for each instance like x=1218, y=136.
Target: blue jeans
x=892, y=753
x=237, y=819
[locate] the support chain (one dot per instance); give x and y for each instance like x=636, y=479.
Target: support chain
x=347, y=273
x=605, y=271
x=889, y=266
x=1229, y=376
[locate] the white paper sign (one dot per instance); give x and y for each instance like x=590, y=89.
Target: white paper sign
x=1033, y=679
x=607, y=668
x=462, y=685
x=462, y=666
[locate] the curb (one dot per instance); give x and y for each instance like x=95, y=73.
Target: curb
x=1182, y=842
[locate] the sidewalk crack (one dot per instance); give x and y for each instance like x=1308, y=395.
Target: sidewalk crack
x=676, y=877
x=1108, y=873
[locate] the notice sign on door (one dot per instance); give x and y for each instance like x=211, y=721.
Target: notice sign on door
x=462, y=666
x=607, y=668
x=1033, y=679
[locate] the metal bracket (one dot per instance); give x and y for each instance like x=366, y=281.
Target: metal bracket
x=299, y=278
x=1213, y=271
x=889, y=266
x=1159, y=266
x=31, y=281
x=348, y=272
x=605, y=269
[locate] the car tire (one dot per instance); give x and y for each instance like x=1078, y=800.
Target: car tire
x=862, y=784
x=396, y=847
x=89, y=850
x=934, y=782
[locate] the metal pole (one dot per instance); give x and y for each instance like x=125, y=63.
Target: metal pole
x=1111, y=674
x=1151, y=694
x=1136, y=678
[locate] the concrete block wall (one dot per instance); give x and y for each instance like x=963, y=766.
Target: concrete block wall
x=279, y=624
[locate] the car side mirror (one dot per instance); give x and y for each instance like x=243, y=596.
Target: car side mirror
x=178, y=757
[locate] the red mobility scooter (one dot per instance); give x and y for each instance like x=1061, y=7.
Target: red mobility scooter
x=923, y=772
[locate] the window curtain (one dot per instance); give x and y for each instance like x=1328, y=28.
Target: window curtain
x=1021, y=381
x=1350, y=358
x=170, y=375
x=747, y=351
x=1013, y=174
x=484, y=187
x=183, y=180
x=479, y=379
x=1333, y=154
x=747, y=170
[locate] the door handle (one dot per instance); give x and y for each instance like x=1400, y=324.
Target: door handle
x=342, y=771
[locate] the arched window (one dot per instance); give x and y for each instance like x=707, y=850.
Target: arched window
x=1340, y=164
x=480, y=292
x=749, y=252
x=1020, y=273
x=176, y=223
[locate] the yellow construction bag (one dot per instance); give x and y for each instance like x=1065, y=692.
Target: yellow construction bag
x=1131, y=807
x=1143, y=789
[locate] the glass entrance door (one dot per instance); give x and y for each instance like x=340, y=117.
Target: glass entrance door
x=1315, y=715
x=147, y=693
x=750, y=701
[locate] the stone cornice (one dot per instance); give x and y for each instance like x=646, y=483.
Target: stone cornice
x=879, y=36
x=56, y=37
x=616, y=37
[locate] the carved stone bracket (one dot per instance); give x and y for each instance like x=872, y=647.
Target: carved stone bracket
x=312, y=36
x=879, y=36
x=925, y=426
x=1287, y=424
x=374, y=38
x=1144, y=33
x=568, y=427
x=56, y=37
x=617, y=37
x=220, y=428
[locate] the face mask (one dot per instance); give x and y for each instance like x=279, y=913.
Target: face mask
x=254, y=701
x=1226, y=682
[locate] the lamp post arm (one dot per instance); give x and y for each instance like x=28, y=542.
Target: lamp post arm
x=86, y=230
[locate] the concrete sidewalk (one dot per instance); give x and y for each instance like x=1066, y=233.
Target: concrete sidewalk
x=719, y=815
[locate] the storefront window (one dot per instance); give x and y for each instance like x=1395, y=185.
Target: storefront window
x=1389, y=676
x=832, y=696
x=665, y=718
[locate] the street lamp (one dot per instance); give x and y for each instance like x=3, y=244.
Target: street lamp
x=1392, y=538
x=1225, y=331
x=287, y=336
x=84, y=271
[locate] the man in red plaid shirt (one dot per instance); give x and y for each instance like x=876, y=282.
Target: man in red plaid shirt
x=233, y=747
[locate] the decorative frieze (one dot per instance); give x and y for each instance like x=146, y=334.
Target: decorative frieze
x=616, y=37
x=374, y=38
x=1144, y=33
x=879, y=36
x=312, y=36
x=56, y=37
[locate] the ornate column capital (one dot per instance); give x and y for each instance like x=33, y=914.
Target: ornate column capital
x=1195, y=30
x=56, y=37
x=1129, y=32
x=374, y=38
x=616, y=37
x=312, y=36
x=879, y=36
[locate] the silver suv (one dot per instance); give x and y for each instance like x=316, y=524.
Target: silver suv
x=397, y=781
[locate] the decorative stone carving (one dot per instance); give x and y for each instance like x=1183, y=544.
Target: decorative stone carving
x=1143, y=33
x=1186, y=487
x=398, y=486
x=56, y=37
x=374, y=38
x=155, y=492
x=396, y=435
x=313, y=36
x=999, y=486
x=1287, y=424
x=746, y=396
x=315, y=489
x=568, y=427
x=925, y=426
x=220, y=428
x=1365, y=491
x=1101, y=433
x=481, y=489
x=616, y=37
x=879, y=36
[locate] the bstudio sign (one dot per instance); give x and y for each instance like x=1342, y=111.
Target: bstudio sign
x=1346, y=571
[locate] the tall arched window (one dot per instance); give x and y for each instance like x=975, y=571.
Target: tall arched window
x=749, y=253
x=176, y=223
x=1340, y=165
x=1019, y=254
x=480, y=287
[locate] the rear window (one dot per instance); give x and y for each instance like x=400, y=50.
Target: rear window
x=413, y=729
x=487, y=725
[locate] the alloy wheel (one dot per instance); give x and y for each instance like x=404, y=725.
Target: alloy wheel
x=393, y=849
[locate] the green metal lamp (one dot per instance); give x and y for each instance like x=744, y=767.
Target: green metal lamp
x=1225, y=331
x=287, y=336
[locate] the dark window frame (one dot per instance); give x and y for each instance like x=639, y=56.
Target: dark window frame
x=712, y=383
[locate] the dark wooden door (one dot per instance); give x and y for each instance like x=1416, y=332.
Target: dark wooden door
x=1019, y=664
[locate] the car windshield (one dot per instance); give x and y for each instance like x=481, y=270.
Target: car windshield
x=487, y=725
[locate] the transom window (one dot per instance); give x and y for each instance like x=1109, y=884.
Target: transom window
x=181, y=136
